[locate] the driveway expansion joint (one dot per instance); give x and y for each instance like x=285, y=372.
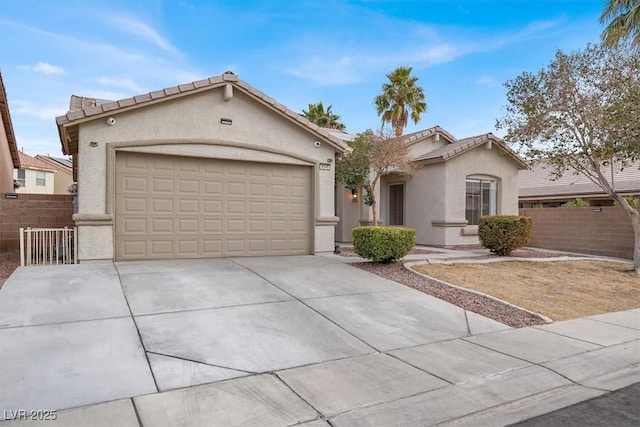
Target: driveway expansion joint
x=203, y=363
x=135, y=324
x=307, y=305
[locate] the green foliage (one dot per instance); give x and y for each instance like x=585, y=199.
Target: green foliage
x=352, y=168
x=576, y=203
x=401, y=97
x=502, y=234
x=324, y=118
x=372, y=156
x=634, y=202
x=383, y=244
x=623, y=17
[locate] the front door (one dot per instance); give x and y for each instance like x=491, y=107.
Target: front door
x=396, y=204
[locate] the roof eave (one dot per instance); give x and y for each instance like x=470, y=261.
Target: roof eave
x=64, y=122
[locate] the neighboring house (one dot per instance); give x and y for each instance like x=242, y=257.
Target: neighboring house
x=8, y=149
x=537, y=189
x=211, y=168
x=63, y=175
x=457, y=182
x=34, y=176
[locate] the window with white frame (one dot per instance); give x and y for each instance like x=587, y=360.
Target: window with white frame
x=481, y=199
x=41, y=178
x=21, y=177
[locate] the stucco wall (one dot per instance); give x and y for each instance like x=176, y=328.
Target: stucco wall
x=6, y=164
x=425, y=201
x=61, y=182
x=480, y=162
x=191, y=126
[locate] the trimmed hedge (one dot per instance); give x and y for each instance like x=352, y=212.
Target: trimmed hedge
x=504, y=233
x=383, y=244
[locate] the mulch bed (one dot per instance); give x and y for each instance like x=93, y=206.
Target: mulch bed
x=348, y=252
x=469, y=301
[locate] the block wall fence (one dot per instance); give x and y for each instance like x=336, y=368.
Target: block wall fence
x=31, y=210
x=603, y=230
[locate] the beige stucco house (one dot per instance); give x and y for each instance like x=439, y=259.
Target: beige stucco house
x=457, y=182
x=63, y=173
x=34, y=176
x=8, y=149
x=206, y=169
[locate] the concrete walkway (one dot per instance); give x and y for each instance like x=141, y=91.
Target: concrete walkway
x=283, y=341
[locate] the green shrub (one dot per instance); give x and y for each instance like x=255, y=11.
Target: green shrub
x=504, y=233
x=634, y=202
x=383, y=244
x=577, y=203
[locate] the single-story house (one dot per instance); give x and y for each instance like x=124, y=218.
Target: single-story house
x=537, y=189
x=63, y=175
x=34, y=176
x=457, y=182
x=212, y=168
x=8, y=148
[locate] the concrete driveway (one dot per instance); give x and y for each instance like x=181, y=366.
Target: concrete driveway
x=296, y=339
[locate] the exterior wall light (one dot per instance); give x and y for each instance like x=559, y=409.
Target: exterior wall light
x=354, y=195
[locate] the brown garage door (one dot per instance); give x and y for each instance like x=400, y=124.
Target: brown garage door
x=185, y=207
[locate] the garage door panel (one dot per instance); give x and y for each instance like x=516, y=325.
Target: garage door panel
x=180, y=207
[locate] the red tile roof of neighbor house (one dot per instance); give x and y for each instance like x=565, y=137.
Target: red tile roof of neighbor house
x=57, y=163
x=91, y=109
x=8, y=126
x=537, y=181
x=461, y=146
x=28, y=162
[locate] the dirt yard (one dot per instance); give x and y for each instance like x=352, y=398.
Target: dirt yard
x=559, y=290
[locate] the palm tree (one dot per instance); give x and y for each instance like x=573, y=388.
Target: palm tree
x=624, y=21
x=400, y=98
x=324, y=118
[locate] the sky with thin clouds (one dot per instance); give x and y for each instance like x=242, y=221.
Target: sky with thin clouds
x=297, y=52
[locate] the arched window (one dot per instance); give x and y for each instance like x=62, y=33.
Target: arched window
x=481, y=198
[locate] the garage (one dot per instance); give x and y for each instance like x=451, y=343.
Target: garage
x=169, y=207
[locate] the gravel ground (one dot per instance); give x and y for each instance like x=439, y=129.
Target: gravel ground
x=467, y=300
x=7, y=267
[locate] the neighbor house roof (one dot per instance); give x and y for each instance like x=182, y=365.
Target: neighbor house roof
x=67, y=124
x=57, y=163
x=414, y=137
x=28, y=162
x=461, y=146
x=537, y=182
x=8, y=126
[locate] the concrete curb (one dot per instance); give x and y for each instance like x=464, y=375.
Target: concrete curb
x=504, y=259
x=408, y=266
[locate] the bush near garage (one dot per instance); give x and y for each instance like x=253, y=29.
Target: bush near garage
x=383, y=244
x=502, y=234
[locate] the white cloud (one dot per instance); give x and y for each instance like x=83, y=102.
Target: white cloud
x=133, y=26
x=327, y=71
x=487, y=81
x=44, y=68
x=38, y=111
x=122, y=83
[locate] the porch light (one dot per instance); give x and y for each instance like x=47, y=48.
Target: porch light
x=354, y=195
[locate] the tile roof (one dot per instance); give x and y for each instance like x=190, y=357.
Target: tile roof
x=57, y=163
x=28, y=162
x=463, y=145
x=90, y=109
x=414, y=137
x=8, y=125
x=536, y=182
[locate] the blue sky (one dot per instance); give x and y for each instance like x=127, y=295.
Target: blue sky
x=295, y=51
